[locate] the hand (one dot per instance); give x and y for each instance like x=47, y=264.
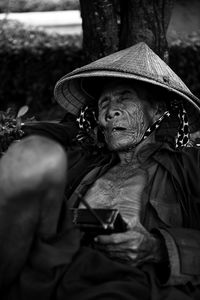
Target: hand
x=135, y=246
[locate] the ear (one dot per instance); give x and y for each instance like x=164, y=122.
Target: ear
x=157, y=111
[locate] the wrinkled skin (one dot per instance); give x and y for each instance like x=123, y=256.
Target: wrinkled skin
x=124, y=116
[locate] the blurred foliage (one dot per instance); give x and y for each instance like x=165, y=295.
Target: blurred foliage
x=32, y=61
x=11, y=123
x=37, y=5
x=185, y=60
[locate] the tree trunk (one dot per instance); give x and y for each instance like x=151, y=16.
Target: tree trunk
x=100, y=29
x=110, y=25
x=147, y=21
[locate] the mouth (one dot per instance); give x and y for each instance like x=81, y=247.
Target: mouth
x=118, y=128
x=112, y=129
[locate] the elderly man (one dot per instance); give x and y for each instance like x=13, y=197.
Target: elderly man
x=133, y=151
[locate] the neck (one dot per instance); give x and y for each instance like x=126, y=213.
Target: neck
x=130, y=156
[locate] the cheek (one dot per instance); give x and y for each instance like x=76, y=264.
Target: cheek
x=139, y=117
x=136, y=119
x=101, y=119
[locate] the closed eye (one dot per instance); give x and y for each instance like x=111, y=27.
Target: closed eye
x=120, y=97
x=103, y=103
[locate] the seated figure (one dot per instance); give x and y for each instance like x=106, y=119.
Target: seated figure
x=126, y=144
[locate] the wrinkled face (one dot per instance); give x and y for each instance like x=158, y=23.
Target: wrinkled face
x=124, y=115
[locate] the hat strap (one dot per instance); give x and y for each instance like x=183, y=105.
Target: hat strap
x=182, y=138
x=87, y=121
x=155, y=125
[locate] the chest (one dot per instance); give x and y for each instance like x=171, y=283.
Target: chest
x=119, y=188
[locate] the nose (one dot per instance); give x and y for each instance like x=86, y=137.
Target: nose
x=113, y=113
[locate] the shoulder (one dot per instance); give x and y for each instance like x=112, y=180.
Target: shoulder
x=63, y=133
x=192, y=154
x=186, y=158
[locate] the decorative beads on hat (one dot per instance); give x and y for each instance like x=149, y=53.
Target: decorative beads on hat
x=182, y=138
x=88, y=135
x=87, y=119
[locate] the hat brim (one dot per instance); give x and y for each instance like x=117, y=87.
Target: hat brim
x=71, y=94
x=137, y=62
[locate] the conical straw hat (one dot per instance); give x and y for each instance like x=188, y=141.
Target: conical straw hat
x=138, y=62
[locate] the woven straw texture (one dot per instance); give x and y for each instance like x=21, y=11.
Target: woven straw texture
x=138, y=62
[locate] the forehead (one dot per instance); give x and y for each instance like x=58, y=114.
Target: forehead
x=114, y=85
x=120, y=87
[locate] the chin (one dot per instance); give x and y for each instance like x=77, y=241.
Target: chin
x=120, y=144
x=121, y=147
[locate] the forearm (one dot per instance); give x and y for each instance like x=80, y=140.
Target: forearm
x=182, y=247
x=64, y=134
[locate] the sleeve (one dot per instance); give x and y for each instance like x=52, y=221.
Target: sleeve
x=183, y=244
x=63, y=133
x=183, y=247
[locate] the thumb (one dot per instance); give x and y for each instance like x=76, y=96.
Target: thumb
x=135, y=225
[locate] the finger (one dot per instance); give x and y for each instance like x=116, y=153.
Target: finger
x=128, y=252
x=132, y=223
x=116, y=238
x=136, y=225
x=114, y=252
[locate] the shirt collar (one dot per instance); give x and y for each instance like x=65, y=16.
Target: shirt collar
x=149, y=150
